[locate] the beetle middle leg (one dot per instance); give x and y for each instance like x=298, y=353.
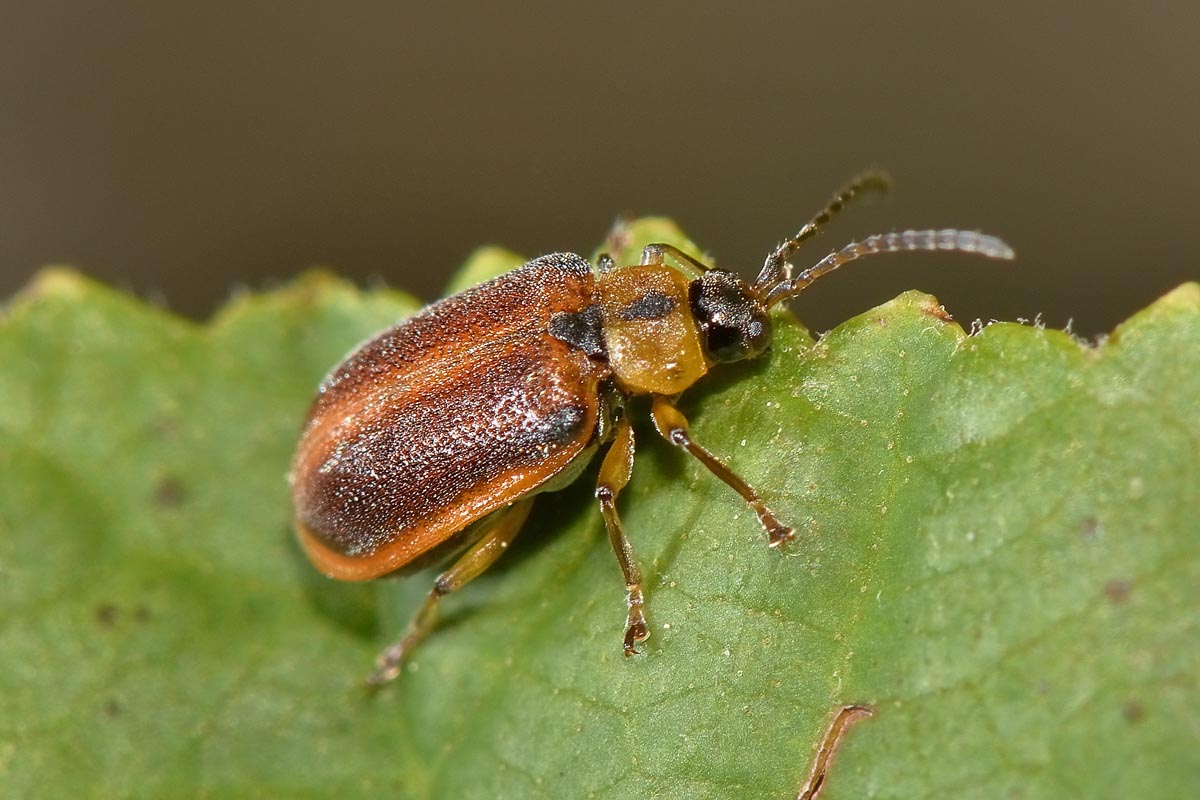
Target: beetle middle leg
x=502, y=529
x=614, y=475
x=616, y=241
x=673, y=427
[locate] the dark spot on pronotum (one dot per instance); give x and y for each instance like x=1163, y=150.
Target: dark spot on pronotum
x=1133, y=711
x=112, y=709
x=652, y=305
x=1117, y=590
x=170, y=493
x=106, y=615
x=1090, y=528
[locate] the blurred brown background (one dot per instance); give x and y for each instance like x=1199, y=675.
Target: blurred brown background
x=180, y=151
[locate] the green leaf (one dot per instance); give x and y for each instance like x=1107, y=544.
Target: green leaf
x=997, y=549
x=482, y=265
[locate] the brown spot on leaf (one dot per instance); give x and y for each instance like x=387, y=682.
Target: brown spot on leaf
x=1117, y=590
x=167, y=429
x=112, y=709
x=937, y=311
x=142, y=614
x=1133, y=711
x=1090, y=528
x=106, y=615
x=170, y=493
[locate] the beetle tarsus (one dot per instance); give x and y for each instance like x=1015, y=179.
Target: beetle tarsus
x=391, y=660
x=387, y=667
x=779, y=534
x=636, y=629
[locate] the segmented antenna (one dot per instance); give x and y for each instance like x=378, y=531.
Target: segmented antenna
x=949, y=239
x=776, y=268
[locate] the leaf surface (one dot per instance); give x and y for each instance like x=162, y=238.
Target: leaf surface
x=997, y=549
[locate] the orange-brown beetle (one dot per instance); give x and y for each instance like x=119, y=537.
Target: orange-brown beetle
x=430, y=439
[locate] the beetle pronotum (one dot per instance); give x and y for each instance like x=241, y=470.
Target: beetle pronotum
x=430, y=439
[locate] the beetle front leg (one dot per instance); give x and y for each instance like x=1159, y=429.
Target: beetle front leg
x=614, y=475
x=673, y=427
x=653, y=254
x=502, y=529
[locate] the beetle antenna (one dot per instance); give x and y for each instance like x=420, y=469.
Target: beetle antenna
x=776, y=268
x=949, y=239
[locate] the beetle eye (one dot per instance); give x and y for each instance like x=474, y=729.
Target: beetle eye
x=735, y=323
x=723, y=343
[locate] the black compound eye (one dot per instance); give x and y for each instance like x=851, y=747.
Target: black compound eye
x=723, y=342
x=734, y=320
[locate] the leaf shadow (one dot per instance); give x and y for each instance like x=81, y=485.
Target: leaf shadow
x=351, y=606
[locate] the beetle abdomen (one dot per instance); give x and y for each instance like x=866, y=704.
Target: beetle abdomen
x=454, y=423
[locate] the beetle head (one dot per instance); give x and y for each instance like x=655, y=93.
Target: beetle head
x=734, y=321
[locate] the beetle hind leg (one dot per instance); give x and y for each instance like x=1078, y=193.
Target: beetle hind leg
x=502, y=529
x=614, y=475
x=674, y=428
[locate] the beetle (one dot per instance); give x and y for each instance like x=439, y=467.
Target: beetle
x=427, y=444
